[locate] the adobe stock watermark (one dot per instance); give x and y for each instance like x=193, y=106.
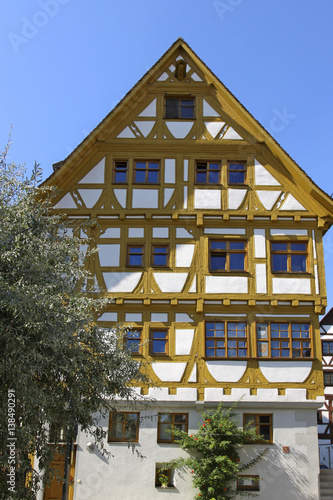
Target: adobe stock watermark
x=31, y=27
x=224, y=7
x=280, y=120
x=11, y=441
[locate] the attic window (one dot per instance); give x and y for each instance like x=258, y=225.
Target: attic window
x=179, y=107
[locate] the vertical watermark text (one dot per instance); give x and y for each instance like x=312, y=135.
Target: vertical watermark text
x=11, y=441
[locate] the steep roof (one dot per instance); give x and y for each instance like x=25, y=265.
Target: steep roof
x=324, y=201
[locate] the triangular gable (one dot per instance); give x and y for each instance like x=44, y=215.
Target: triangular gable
x=221, y=118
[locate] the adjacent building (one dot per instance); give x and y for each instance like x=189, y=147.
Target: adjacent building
x=209, y=241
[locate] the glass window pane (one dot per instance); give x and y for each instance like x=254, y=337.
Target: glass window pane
x=298, y=247
x=180, y=418
x=171, y=110
x=140, y=165
x=279, y=246
x=217, y=262
x=262, y=349
x=186, y=112
x=140, y=176
x=298, y=263
x=165, y=432
x=262, y=331
x=160, y=260
x=237, y=262
x=237, y=245
x=213, y=177
x=120, y=177
x=153, y=166
x=236, y=177
x=220, y=352
x=236, y=166
x=135, y=260
x=280, y=262
x=201, y=177
x=218, y=245
x=214, y=166
x=158, y=346
x=152, y=177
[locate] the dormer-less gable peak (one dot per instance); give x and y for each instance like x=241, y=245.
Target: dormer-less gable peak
x=203, y=112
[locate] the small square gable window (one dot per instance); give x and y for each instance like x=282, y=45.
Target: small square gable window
x=180, y=108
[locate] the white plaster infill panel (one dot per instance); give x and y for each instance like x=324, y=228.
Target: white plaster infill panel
x=292, y=204
x=108, y=316
x=159, y=317
x=126, y=134
x=121, y=282
x=291, y=285
x=169, y=372
x=285, y=371
x=232, y=134
x=181, y=232
x=289, y=232
x=226, y=371
x=170, y=282
x=136, y=232
x=184, y=255
x=95, y=175
x=193, y=376
x=120, y=194
x=170, y=171
x=90, y=196
x=263, y=177
x=236, y=197
x=226, y=284
x=168, y=192
x=111, y=232
x=261, y=280
x=133, y=317
x=259, y=243
x=183, y=394
x=219, y=230
x=179, y=129
x=109, y=255
x=150, y=110
x=268, y=198
x=208, y=110
x=145, y=127
x=214, y=127
x=184, y=339
x=207, y=198
x=66, y=202
x=145, y=198
x=160, y=232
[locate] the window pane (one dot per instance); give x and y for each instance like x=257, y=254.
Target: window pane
x=218, y=245
x=120, y=177
x=236, y=166
x=187, y=112
x=201, y=177
x=158, y=346
x=280, y=262
x=152, y=177
x=262, y=349
x=237, y=245
x=236, y=177
x=214, y=166
x=279, y=246
x=218, y=262
x=171, y=108
x=237, y=262
x=298, y=263
x=213, y=178
x=135, y=260
x=298, y=247
x=153, y=166
x=180, y=419
x=165, y=432
x=140, y=176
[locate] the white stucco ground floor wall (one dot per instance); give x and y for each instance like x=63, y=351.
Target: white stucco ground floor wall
x=285, y=473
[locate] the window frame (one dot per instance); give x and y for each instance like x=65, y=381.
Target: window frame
x=167, y=254
x=237, y=162
x=126, y=339
x=289, y=253
x=227, y=251
x=208, y=170
x=147, y=170
x=114, y=171
x=128, y=255
x=171, y=425
x=151, y=340
x=123, y=439
x=179, y=98
x=256, y=478
x=268, y=340
x=330, y=343
x=330, y=373
x=257, y=425
x=226, y=338
x=166, y=472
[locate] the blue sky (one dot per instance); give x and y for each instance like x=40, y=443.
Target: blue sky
x=66, y=64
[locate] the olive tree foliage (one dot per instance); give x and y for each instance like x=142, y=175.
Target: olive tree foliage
x=58, y=367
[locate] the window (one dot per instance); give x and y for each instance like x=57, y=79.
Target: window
x=133, y=341
x=120, y=172
x=227, y=255
x=57, y=435
x=179, y=107
x=327, y=348
x=226, y=339
x=166, y=423
x=161, y=476
x=207, y=172
x=159, y=342
x=236, y=173
x=135, y=254
x=248, y=483
x=289, y=257
x=123, y=426
x=262, y=424
x=328, y=378
x=146, y=172
x=284, y=340
x=160, y=256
